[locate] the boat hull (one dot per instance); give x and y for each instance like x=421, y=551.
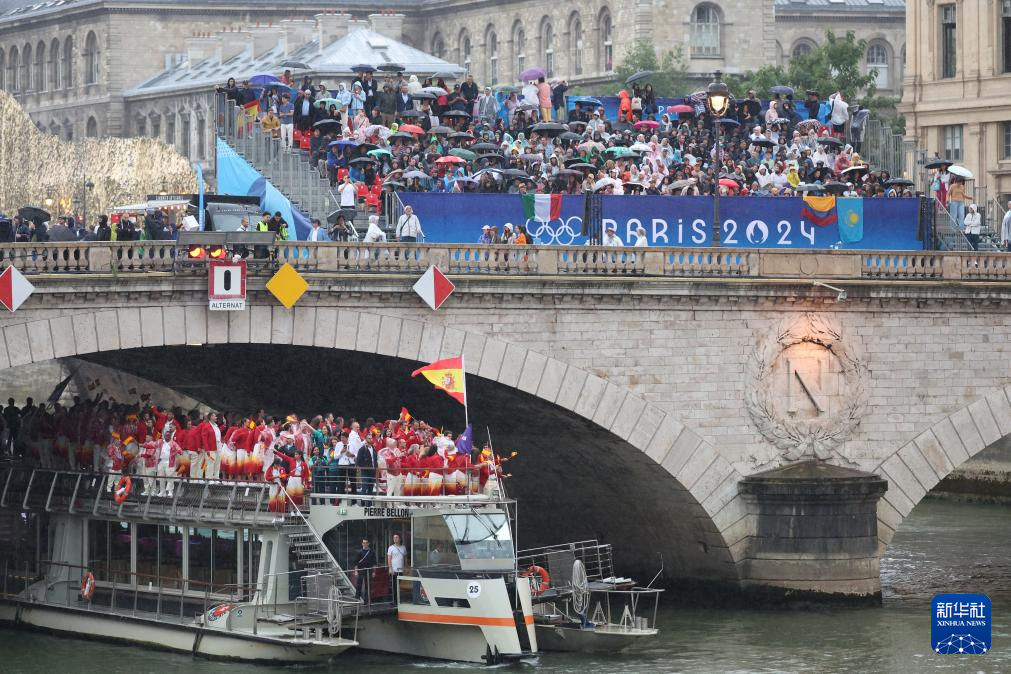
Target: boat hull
x=138, y=631
x=574, y=639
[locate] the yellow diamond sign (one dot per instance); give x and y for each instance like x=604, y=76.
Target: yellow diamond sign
x=287, y=286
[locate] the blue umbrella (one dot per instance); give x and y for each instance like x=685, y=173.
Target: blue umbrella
x=585, y=99
x=728, y=121
x=343, y=142
x=263, y=79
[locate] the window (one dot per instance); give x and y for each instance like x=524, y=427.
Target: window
x=438, y=46
x=186, y=136
x=463, y=47
x=26, y=69
x=548, y=46
x=14, y=71
x=141, y=127
x=948, y=60
x=705, y=31
x=491, y=49
x=519, y=49
x=575, y=45
x=801, y=49
x=606, y=49
x=68, y=63
x=40, y=66
x=155, y=126
x=170, y=129
x=201, y=138
x=953, y=142
x=1005, y=27
x=91, y=59
x=54, y=65
x=68, y=129
x=1005, y=141
x=877, y=60
x=92, y=129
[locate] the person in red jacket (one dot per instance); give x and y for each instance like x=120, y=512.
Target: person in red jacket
x=298, y=476
x=276, y=475
x=209, y=434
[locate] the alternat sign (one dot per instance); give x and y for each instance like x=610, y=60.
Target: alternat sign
x=226, y=285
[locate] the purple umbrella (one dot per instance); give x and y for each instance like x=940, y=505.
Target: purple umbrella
x=532, y=74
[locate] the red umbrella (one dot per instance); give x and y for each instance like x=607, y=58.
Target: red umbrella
x=647, y=124
x=680, y=108
x=450, y=160
x=729, y=184
x=410, y=128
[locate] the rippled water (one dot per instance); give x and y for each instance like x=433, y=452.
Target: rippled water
x=943, y=547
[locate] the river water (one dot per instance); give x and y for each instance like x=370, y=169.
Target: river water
x=942, y=548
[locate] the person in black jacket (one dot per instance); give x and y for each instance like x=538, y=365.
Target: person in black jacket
x=364, y=563
x=367, y=462
x=104, y=231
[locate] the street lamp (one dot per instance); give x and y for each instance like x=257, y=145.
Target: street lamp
x=88, y=186
x=717, y=103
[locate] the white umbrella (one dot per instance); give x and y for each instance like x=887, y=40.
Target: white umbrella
x=960, y=171
x=438, y=91
x=641, y=147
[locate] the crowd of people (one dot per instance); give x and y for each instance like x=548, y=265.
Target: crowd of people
x=350, y=459
x=409, y=134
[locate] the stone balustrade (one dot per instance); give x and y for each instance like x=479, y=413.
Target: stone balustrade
x=461, y=259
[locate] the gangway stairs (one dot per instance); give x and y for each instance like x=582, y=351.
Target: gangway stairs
x=322, y=570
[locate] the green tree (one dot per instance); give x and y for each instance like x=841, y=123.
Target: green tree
x=670, y=72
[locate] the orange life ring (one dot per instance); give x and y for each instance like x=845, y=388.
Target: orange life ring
x=122, y=489
x=87, y=586
x=544, y=584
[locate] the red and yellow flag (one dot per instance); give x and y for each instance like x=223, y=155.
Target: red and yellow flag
x=446, y=375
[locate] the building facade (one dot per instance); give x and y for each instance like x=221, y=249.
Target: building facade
x=957, y=90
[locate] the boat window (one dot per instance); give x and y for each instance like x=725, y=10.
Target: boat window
x=433, y=544
x=253, y=544
x=448, y=602
x=214, y=559
x=226, y=561
x=345, y=539
x=120, y=539
x=481, y=535
x=170, y=543
x=98, y=549
x=147, y=553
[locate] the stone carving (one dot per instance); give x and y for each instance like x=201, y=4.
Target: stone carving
x=806, y=390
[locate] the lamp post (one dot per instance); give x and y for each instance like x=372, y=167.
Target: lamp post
x=717, y=103
x=88, y=186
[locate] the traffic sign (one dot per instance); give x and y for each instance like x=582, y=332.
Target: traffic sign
x=434, y=287
x=226, y=285
x=14, y=289
x=287, y=285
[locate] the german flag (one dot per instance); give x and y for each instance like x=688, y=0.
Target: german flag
x=446, y=375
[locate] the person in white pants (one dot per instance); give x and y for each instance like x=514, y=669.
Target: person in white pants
x=168, y=450
x=210, y=443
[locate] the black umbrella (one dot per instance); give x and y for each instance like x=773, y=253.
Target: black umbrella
x=363, y=160
x=34, y=213
x=828, y=140
x=423, y=96
x=526, y=107
x=401, y=134
x=641, y=75
x=937, y=163
x=581, y=166
x=441, y=130
x=549, y=128
x=728, y=122
x=491, y=156
x=568, y=172
x=570, y=136
x=782, y=89
x=61, y=233
x=762, y=142
x=460, y=135
x=392, y=68
x=455, y=113
x=444, y=76
x=835, y=187
x=296, y=64
x=411, y=113
x=363, y=68
x=362, y=148
x=325, y=125
x=899, y=182
x=484, y=147
x=393, y=183
x=576, y=124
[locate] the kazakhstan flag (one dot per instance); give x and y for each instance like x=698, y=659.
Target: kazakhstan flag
x=850, y=211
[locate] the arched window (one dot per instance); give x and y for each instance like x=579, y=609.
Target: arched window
x=605, y=47
x=54, y=128
x=68, y=62
x=439, y=46
x=26, y=69
x=92, y=130
x=13, y=71
x=491, y=52
x=463, y=49
x=91, y=59
x=802, y=48
x=3, y=70
x=705, y=30
x=54, y=67
x=519, y=49
x=575, y=45
x=877, y=59
x=40, y=66
x=548, y=46
x=68, y=129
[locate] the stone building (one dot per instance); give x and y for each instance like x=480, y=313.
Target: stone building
x=958, y=87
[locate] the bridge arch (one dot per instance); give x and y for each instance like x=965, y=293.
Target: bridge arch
x=702, y=483
x=921, y=463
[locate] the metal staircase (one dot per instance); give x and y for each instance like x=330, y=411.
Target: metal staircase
x=323, y=571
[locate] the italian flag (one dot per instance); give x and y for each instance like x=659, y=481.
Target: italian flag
x=542, y=207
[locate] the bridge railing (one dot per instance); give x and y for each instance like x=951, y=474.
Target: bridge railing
x=502, y=260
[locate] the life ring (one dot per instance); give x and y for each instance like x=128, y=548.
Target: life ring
x=219, y=611
x=544, y=584
x=122, y=489
x=87, y=586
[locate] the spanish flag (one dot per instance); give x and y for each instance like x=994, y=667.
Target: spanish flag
x=405, y=416
x=446, y=375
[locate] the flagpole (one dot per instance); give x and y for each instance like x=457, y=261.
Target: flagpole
x=466, y=413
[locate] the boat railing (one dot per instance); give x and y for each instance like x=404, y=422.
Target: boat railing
x=171, y=499
x=340, y=485
x=558, y=560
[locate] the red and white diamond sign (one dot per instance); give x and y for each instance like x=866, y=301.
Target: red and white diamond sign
x=14, y=289
x=434, y=287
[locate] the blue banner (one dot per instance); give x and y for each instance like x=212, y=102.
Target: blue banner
x=748, y=222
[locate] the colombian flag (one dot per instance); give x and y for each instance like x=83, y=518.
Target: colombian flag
x=819, y=210
x=446, y=375
x=851, y=219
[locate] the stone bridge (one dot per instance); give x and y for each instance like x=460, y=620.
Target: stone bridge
x=726, y=409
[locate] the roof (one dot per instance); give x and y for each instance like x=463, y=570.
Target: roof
x=841, y=5
x=361, y=45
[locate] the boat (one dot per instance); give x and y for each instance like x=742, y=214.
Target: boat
x=216, y=569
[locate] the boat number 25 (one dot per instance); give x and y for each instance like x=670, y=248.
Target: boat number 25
x=473, y=590
x=757, y=232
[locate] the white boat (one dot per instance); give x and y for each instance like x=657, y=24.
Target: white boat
x=211, y=570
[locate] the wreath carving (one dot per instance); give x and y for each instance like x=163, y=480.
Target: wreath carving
x=801, y=439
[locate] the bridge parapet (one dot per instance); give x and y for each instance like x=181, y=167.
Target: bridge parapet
x=393, y=258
